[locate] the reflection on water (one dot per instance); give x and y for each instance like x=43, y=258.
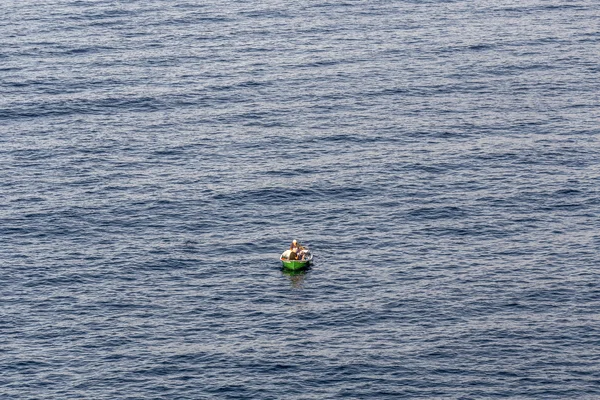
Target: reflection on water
x=296, y=276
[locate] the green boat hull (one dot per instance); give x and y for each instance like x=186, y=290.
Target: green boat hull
x=295, y=264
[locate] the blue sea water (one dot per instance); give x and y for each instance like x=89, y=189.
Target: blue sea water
x=441, y=159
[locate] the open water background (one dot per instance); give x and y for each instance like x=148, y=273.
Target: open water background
x=441, y=159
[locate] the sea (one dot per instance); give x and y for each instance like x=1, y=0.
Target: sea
x=440, y=158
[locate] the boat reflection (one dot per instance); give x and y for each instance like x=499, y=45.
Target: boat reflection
x=296, y=277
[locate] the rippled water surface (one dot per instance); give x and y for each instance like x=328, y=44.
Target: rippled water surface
x=440, y=158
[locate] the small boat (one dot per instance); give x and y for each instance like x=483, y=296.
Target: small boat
x=296, y=264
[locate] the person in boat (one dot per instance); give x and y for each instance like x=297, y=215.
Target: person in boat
x=297, y=251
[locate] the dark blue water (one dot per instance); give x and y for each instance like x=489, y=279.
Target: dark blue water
x=441, y=159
